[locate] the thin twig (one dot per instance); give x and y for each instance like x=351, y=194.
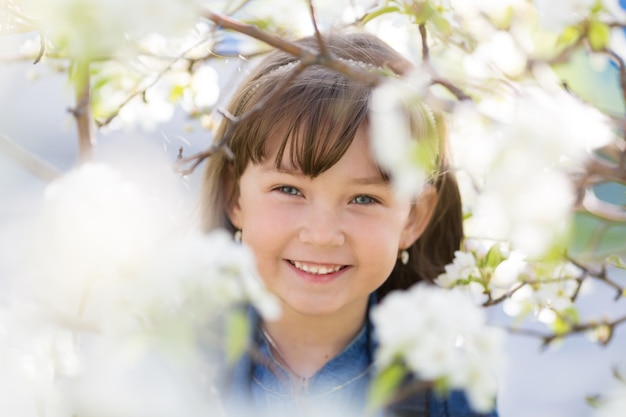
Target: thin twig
x=456, y=91
x=574, y=329
x=32, y=163
x=424, y=37
x=318, y=34
x=621, y=65
x=142, y=91
x=220, y=145
x=42, y=48
x=600, y=275
x=493, y=301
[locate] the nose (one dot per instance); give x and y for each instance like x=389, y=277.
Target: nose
x=323, y=228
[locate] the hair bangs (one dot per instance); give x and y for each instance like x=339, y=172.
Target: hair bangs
x=311, y=123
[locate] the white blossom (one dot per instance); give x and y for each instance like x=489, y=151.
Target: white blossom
x=203, y=91
x=617, y=41
x=614, y=8
x=525, y=192
x=461, y=269
x=508, y=273
x=558, y=15
x=614, y=403
x=210, y=268
x=137, y=381
x=34, y=355
x=95, y=28
x=113, y=251
x=441, y=335
x=392, y=141
x=552, y=293
x=476, y=246
x=147, y=114
x=500, y=52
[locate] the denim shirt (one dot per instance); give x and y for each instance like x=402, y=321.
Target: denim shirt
x=261, y=387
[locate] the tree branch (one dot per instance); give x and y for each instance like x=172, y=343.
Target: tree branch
x=592, y=204
x=621, y=66
x=305, y=55
x=456, y=91
x=600, y=275
x=575, y=329
x=493, y=301
x=82, y=111
x=600, y=170
x=425, y=49
x=32, y=163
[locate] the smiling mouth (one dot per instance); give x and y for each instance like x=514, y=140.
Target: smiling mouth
x=317, y=269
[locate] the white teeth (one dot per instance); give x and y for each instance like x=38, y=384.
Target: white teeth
x=315, y=270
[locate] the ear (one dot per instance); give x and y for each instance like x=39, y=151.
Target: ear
x=419, y=217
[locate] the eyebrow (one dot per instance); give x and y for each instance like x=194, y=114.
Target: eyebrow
x=378, y=181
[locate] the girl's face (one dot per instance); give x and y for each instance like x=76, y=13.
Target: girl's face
x=324, y=244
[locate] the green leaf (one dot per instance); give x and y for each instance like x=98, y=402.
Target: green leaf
x=616, y=261
x=593, y=238
x=440, y=23
x=237, y=334
x=494, y=256
x=569, y=36
x=379, y=12
x=384, y=385
x=594, y=401
x=423, y=13
x=599, y=35
x=564, y=321
x=598, y=7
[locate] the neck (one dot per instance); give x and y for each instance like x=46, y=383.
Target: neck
x=305, y=343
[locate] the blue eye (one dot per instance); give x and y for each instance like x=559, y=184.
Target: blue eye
x=285, y=189
x=364, y=199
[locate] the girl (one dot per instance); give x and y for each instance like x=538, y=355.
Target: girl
x=330, y=236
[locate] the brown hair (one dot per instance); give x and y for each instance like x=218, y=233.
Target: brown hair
x=317, y=116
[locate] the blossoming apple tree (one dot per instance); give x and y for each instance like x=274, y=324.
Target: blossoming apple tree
x=114, y=291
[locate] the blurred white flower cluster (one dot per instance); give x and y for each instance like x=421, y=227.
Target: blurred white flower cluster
x=548, y=297
x=143, y=92
x=514, y=159
x=100, y=28
x=408, y=161
x=545, y=291
x=557, y=16
x=613, y=403
x=118, y=304
x=441, y=336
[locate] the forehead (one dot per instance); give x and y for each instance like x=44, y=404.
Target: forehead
x=355, y=154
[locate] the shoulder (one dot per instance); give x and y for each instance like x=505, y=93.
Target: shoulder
x=455, y=404
x=429, y=404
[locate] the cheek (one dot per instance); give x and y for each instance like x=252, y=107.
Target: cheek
x=379, y=242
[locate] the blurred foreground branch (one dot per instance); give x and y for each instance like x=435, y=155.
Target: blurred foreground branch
x=32, y=163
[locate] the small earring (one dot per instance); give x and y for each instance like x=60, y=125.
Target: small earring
x=404, y=257
x=237, y=236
